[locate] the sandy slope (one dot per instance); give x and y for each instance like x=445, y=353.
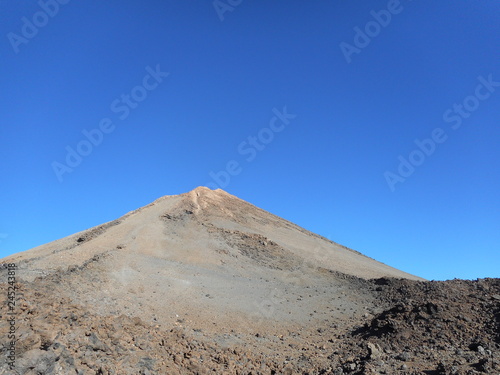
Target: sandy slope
x=201, y=228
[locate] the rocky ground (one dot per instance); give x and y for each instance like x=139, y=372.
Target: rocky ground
x=450, y=327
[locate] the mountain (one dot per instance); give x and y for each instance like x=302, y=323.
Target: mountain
x=210, y=230
x=204, y=282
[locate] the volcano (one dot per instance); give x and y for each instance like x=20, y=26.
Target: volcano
x=205, y=283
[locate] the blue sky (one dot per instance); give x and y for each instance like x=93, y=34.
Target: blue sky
x=374, y=123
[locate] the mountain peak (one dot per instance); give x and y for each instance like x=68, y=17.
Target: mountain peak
x=197, y=227
x=203, y=189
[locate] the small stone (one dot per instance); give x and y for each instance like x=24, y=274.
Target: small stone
x=405, y=356
x=375, y=351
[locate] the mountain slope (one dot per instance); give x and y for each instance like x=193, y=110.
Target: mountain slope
x=211, y=254
x=204, y=228
x=205, y=283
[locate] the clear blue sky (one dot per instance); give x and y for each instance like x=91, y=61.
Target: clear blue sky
x=178, y=87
